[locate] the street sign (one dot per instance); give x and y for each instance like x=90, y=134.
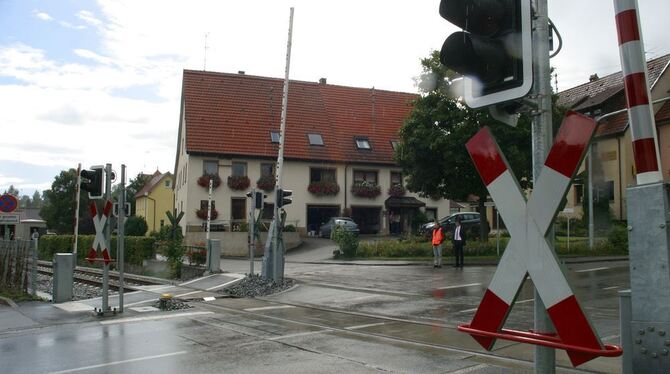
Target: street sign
x=8, y=203
x=99, y=241
x=9, y=219
x=528, y=251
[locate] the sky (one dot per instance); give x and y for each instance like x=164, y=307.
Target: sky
x=95, y=82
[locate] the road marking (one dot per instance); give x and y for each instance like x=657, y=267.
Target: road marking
x=118, y=362
x=610, y=288
x=269, y=308
x=365, y=326
x=198, y=279
x=150, y=318
x=299, y=334
x=593, y=269
x=460, y=286
x=469, y=369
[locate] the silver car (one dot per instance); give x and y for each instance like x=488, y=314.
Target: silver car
x=347, y=223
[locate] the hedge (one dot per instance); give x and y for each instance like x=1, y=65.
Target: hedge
x=137, y=248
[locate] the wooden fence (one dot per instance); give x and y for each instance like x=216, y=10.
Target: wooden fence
x=16, y=262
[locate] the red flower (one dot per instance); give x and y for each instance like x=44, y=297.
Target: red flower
x=366, y=189
x=397, y=190
x=326, y=188
x=204, y=180
x=202, y=214
x=266, y=182
x=238, y=182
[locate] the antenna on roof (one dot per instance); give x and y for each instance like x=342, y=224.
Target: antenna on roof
x=204, y=64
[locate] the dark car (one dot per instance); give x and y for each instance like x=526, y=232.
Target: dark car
x=469, y=220
x=347, y=223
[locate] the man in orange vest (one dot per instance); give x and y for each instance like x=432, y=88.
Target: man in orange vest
x=438, y=239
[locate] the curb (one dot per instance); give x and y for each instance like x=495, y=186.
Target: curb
x=9, y=302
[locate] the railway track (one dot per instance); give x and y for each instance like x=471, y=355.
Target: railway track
x=93, y=277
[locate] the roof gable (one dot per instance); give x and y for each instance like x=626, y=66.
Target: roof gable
x=155, y=180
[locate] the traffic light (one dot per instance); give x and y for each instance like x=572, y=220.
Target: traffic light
x=494, y=50
x=283, y=197
x=92, y=182
x=259, y=198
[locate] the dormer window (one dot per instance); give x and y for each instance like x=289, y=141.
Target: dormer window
x=274, y=137
x=362, y=143
x=315, y=139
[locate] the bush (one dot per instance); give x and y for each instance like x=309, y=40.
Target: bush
x=618, y=238
x=289, y=228
x=346, y=240
x=136, y=248
x=135, y=226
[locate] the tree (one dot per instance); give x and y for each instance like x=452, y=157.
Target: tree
x=132, y=187
x=59, y=203
x=432, y=150
x=25, y=202
x=135, y=226
x=12, y=190
x=36, y=201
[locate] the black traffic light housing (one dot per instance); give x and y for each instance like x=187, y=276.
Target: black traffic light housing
x=494, y=50
x=259, y=198
x=283, y=197
x=92, y=181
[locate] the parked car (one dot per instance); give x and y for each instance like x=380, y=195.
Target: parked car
x=347, y=223
x=469, y=220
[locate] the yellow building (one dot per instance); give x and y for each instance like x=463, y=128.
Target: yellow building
x=154, y=199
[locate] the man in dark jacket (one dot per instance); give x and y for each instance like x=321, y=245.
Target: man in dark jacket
x=458, y=241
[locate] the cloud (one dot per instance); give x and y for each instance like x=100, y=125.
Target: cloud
x=71, y=26
x=43, y=16
x=89, y=18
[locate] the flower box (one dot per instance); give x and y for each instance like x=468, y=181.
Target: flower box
x=397, y=190
x=204, y=180
x=238, y=182
x=266, y=182
x=326, y=188
x=366, y=189
x=202, y=214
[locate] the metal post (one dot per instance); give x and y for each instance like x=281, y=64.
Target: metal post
x=76, y=214
x=121, y=235
x=498, y=232
x=252, y=231
x=568, y=233
x=590, y=202
x=33, y=268
x=626, y=336
x=108, y=236
x=209, y=209
x=545, y=358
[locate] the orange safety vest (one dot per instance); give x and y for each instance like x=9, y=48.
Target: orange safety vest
x=438, y=236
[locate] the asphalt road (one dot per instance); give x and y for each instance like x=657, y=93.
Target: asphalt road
x=340, y=318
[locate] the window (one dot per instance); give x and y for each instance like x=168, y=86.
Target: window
x=367, y=176
x=168, y=183
x=396, y=178
x=315, y=139
x=579, y=194
x=238, y=209
x=609, y=190
x=274, y=137
x=394, y=144
x=239, y=169
x=210, y=167
x=363, y=143
x=203, y=204
x=321, y=175
x=267, y=170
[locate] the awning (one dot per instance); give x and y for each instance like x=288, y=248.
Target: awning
x=403, y=202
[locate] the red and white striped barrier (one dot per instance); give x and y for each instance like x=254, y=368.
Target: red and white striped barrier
x=528, y=250
x=99, y=241
x=640, y=114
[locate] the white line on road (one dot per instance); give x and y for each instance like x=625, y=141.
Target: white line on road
x=198, y=279
x=460, y=286
x=300, y=334
x=269, y=308
x=610, y=288
x=150, y=318
x=118, y=362
x=593, y=269
x=469, y=369
x=365, y=326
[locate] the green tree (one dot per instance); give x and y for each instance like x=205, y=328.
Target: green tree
x=12, y=190
x=25, y=202
x=59, y=204
x=135, y=226
x=36, y=201
x=432, y=150
x=132, y=187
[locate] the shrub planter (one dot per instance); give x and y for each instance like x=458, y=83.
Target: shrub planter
x=366, y=189
x=324, y=188
x=238, y=182
x=266, y=183
x=203, y=181
x=202, y=214
x=396, y=190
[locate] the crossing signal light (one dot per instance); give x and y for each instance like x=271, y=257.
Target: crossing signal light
x=259, y=196
x=92, y=181
x=494, y=50
x=283, y=197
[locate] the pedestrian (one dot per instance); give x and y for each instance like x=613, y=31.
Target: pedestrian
x=459, y=242
x=438, y=239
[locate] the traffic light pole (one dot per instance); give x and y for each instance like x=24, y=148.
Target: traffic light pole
x=121, y=235
x=108, y=237
x=545, y=358
x=76, y=215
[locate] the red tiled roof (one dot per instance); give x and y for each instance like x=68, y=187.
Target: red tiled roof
x=594, y=93
x=612, y=125
x=152, y=183
x=233, y=114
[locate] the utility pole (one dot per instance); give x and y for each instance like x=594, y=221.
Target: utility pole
x=108, y=236
x=121, y=235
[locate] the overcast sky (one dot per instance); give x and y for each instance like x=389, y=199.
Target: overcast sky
x=100, y=81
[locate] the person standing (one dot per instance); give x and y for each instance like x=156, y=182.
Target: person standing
x=458, y=242
x=438, y=239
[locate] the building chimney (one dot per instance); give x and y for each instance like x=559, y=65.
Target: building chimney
x=240, y=72
x=593, y=78
x=322, y=80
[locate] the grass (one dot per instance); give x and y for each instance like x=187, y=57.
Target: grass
x=16, y=295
